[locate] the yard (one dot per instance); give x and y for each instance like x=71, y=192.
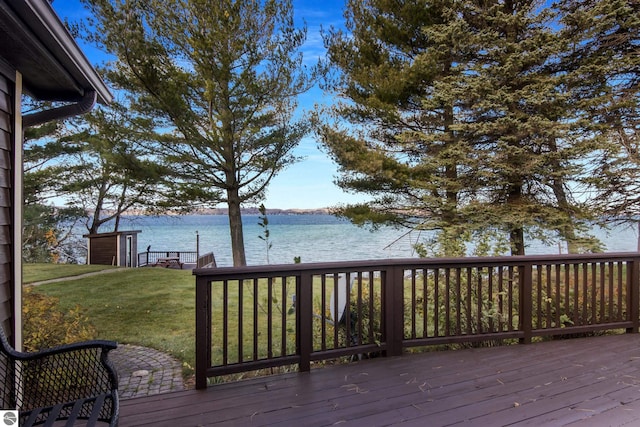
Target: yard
x=150, y=307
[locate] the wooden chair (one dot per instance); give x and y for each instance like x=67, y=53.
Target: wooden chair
x=71, y=382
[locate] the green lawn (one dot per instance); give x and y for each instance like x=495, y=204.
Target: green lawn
x=152, y=307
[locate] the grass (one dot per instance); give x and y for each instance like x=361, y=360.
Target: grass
x=151, y=307
x=39, y=272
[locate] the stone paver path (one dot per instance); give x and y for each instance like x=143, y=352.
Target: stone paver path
x=144, y=371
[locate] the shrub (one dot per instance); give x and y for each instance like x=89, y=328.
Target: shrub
x=45, y=325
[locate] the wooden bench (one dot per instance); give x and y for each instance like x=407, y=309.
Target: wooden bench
x=74, y=382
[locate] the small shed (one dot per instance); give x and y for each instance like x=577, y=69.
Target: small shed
x=117, y=248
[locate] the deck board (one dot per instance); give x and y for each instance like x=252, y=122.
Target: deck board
x=585, y=381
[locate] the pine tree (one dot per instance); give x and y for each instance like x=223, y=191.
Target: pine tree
x=108, y=170
x=402, y=71
x=476, y=116
x=604, y=75
x=221, y=79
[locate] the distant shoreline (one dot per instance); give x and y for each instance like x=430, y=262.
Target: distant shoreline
x=274, y=211
x=244, y=211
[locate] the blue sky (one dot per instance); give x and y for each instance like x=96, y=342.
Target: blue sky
x=307, y=184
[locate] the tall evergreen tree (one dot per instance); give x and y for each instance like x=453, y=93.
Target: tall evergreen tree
x=519, y=114
x=604, y=62
x=460, y=115
x=221, y=79
x=402, y=69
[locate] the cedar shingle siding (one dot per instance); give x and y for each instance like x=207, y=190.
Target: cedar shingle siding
x=6, y=202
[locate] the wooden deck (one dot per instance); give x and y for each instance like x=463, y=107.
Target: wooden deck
x=580, y=382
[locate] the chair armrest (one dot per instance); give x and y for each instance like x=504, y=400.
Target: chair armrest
x=66, y=348
x=65, y=373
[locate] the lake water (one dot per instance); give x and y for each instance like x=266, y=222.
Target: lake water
x=314, y=238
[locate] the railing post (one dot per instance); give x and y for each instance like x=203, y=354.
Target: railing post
x=304, y=329
x=526, y=302
x=394, y=309
x=633, y=283
x=203, y=330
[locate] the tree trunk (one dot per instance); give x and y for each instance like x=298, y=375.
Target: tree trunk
x=567, y=230
x=516, y=236
x=235, y=227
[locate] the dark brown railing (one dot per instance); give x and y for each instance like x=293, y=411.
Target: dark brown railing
x=151, y=257
x=266, y=316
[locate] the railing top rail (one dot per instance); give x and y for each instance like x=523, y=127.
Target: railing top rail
x=407, y=263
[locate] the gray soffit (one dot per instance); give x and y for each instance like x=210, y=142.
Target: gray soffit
x=35, y=42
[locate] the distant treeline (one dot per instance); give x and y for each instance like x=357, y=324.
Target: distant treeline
x=255, y=211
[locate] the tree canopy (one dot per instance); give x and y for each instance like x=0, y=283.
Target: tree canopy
x=477, y=117
x=220, y=80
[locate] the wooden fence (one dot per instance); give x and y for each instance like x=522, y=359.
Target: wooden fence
x=266, y=316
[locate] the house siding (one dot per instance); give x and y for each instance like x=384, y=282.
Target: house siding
x=7, y=95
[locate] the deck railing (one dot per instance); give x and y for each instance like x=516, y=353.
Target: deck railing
x=266, y=316
x=151, y=257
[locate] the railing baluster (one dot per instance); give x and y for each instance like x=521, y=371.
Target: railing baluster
x=283, y=315
x=490, y=297
x=436, y=302
x=372, y=311
x=323, y=312
x=558, y=296
x=585, y=293
x=255, y=319
x=501, y=298
x=359, y=318
x=510, y=301
x=336, y=310
x=458, y=302
x=240, y=323
x=576, y=296
x=594, y=293
x=549, y=322
x=425, y=303
x=447, y=302
x=347, y=310
x=538, y=296
x=270, y=317
x=469, y=292
x=479, y=296
x=567, y=288
x=601, y=281
x=225, y=322
x=413, y=304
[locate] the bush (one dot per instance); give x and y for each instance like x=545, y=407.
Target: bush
x=46, y=326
